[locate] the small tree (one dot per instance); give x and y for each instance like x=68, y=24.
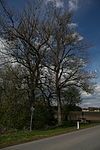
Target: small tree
x=14, y=104
x=71, y=96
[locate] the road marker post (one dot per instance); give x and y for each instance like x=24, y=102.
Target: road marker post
x=78, y=125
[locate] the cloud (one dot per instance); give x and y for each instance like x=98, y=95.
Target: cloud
x=73, y=25
x=57, y=3
x=5, y=56
x=73, y=5
x=91, y=99
x=78, y=36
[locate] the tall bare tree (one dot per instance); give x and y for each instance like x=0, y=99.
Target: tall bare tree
x=25, y=41
x=67, y=57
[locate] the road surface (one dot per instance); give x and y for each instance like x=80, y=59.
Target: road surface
x=86, y=139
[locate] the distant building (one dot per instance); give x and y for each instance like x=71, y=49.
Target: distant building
x=91, y=109
x=84, y=116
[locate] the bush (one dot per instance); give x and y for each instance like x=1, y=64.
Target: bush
x=13, y=116
x=43, y=117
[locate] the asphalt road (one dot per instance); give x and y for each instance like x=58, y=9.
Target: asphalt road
x=86, y=139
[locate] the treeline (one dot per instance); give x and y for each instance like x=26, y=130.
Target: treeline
x=42, y=66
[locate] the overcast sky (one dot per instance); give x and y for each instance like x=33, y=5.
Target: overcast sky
x=87, y=23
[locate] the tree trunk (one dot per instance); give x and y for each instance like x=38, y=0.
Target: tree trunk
x=59, y=108
x=32, y=104
x=31, y=121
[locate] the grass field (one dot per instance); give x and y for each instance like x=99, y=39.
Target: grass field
x=25, y=136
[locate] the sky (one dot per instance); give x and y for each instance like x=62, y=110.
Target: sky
x=87, y=23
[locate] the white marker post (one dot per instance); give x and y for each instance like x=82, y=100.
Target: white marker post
x=78, y=125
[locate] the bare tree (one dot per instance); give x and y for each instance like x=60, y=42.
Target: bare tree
x=67, y=58
x=25, y=40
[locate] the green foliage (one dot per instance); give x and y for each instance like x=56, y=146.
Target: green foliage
x=43, y=116
x=13, y=116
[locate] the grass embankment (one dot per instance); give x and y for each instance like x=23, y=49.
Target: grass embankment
x=25, y=136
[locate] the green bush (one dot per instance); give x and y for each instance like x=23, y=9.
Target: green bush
x=13, y=116
x=43, y=117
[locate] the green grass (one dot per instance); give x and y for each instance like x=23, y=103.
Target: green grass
x=22, y=136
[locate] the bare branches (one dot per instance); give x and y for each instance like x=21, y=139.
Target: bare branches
x=8, y=14
x=48, y=49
